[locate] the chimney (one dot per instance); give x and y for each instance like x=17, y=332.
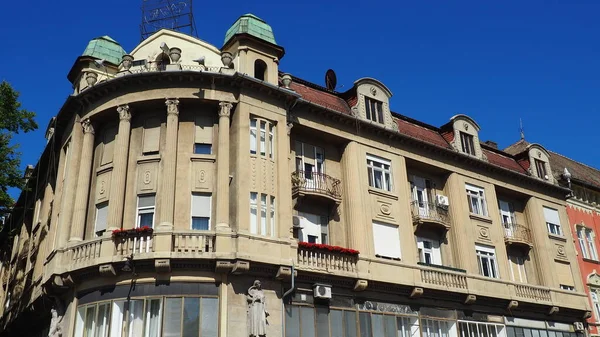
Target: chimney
x=491, y=144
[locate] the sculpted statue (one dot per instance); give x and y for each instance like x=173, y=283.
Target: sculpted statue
x=257, y=313
x=55, y=323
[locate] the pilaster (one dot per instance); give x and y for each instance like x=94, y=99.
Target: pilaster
x=353, y=198
x=68, y=192
x=169, y=166
x=542, y=248
x=119, y=173
x=83, y=182
x=222, y=214
x=460, y=233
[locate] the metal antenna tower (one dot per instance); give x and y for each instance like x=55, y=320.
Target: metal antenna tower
x=170, y=14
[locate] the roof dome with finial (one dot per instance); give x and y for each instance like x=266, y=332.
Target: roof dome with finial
x=252, y=25
x=105, y=48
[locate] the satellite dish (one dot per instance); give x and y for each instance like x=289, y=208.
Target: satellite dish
x=330, y=80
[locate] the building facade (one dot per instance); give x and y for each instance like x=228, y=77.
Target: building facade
x=190, y=190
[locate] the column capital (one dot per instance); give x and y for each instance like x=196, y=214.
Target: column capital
x=225, y=109
x=87, y=126
x=172, y=106
x=124, y=112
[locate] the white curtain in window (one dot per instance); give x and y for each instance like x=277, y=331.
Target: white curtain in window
x=153, y=318
x=116, y=319
x=201, y=205
x=253, y=136
x=253, y=213
x=136, y=318
x=79, y=322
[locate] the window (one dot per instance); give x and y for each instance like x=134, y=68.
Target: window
x=517, y=268
x=595, y=303
x=266, y=226
x=151, y=136
x=380, y=174
x=540, y=168
x=145, y=210
x=314, y=228
x=263, y=141
x=586, y=239
x=437, y=328
x=387, y=240
x=429, y=251
x=478, y=329
x=476, y=200
x=565, y=275
x=203, y=136
x=310, y=160
x=201, y=211
x=101, y=218
x=567, y=287
x=260, y=70
x=552, y=221
x=374, y=110
x=151, y=317
x=467, y=143
x=486, y=259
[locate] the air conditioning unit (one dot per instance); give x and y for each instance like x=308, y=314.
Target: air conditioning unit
x=578, y=326
x=322, y=291
x=442, y=200
x=296, y=220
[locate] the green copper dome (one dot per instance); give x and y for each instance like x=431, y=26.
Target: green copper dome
x=253, y=25
x=105, y=48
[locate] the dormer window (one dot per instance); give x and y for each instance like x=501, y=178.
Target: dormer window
x=468, y=145
x=540, y=168
x=374, y=110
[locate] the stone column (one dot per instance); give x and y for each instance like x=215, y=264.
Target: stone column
x=68, y=187
x=169, y=166
x=116, y=203
x=83, y=182
x=461, y=228
x=543, y=250
x=352, y=198
x=222, y=214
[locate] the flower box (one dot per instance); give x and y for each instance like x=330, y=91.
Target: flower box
x=332, y=249
x=132, y=232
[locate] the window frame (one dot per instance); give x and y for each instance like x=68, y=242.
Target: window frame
x=489, y=253
x=434, y=251
x=478, y=194
x=567, y=287
x=553, y=229
x=467, y=142
x=104, y=204
x=595, y=300
x=374, y=110
x=201, y=195
x=540, y=168
x=397, y=242
x=386, y=173
x=262, y=133
x=145, y=208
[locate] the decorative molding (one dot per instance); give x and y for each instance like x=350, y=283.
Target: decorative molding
x=384, y=194
x=87, y=126
x=484, y=233
x=593, y=279
x=162, y=266
x=172, y=106
x=240, y=267
x=561, y=253
x=416, y=292
x=360, y=285
x=284, y=273
x=225, y=109
x=470, y=299
x=124, y=112
x=107, y=270
x=480, y=218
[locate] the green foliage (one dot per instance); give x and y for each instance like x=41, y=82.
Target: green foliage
x=13, y=119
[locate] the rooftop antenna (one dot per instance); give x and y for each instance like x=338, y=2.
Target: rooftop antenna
x=521, y=129
x=169, y=14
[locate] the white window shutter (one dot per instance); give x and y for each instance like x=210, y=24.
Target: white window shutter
x=151, y=135
x=201, y=205
x=101, y=216
x=551, y=216
x=387, y=240
x=204, y=130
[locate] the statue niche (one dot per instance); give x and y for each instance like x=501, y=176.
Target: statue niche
x=257, y=312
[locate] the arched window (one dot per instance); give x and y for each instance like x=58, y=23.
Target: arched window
x=162, y=60
x=260, y=70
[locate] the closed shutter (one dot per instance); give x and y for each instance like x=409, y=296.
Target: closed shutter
x=101, y=216
x=151, y=136
x=551, y=216
x=565, y=277
x=201, y=205
x=204, y=130
x=387, y=240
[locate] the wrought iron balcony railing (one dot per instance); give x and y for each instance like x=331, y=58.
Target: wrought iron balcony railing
x=305, y=182
x=430, y=212
x=515, y=233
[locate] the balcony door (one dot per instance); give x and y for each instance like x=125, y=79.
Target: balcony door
x=420, y=195
x=310, y=163
x=506, y=214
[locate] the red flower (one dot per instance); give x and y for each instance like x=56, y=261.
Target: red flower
x=334, y=249
x=119, y=233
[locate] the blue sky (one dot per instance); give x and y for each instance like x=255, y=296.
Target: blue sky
x=496, y=61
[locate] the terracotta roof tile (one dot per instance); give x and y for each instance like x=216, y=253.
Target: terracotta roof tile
x=326, y=99
x=422, y=133
x=448, y=135
x=503, y=161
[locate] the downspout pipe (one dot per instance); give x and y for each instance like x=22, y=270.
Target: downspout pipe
x=289, y=291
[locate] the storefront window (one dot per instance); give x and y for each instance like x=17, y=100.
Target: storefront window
x=151, y=317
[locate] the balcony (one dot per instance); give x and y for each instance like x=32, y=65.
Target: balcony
x=327, y=261
x=315, y=184
x=445, y=277
x=430, y=214
x=515, y=234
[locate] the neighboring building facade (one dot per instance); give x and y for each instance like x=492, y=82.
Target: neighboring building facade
x=175, y=179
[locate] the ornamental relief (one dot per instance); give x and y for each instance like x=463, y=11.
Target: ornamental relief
x=383, y=209
x=253, y=173
x=483, y=233
x=103, y=186
x=147, y=174
x=202, y=175
x=560, y=251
